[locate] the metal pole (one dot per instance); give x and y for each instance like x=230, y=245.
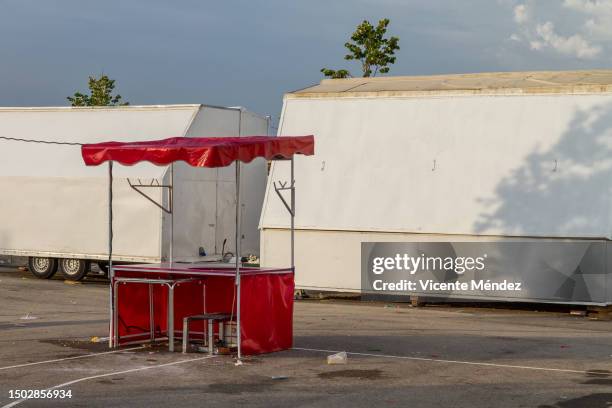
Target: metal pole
x=237, y=250
x=237, y=254
x=151, y=314
x=116, y=315
x=110, y=256
x=292, y=218
x=171, y=198
x=170, y=317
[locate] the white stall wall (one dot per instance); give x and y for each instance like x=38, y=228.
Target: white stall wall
x=205, y=199
x=499, y=165
x=201, y=195
x=451, y=166
x=53, y=204
x=330, y=260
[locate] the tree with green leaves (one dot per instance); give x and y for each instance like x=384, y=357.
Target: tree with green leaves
x=370, y=48
x=101, y=90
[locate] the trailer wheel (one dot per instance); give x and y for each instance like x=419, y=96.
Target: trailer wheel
x=74, y=269
x=43, y=268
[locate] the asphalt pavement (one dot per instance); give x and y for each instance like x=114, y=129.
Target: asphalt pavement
x=398, y=356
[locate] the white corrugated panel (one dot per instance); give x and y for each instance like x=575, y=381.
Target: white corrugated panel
x=536, y=165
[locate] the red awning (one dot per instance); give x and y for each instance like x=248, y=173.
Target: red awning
x=199, y=151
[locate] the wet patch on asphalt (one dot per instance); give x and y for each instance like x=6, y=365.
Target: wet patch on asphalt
x=359, y=374
x=600, y=400
x=259, y=386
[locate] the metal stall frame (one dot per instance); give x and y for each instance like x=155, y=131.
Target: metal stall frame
x=282, y=186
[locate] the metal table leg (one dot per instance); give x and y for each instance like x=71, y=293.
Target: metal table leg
x=151, y=316
x=170, y=318
x=210, y=337
x=185, y=334
x=115, y=315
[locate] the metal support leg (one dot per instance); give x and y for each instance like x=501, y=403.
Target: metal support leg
x=115, y=315
x=185, y=334
x=111, y=334
x=210, y=337
x=237, y=282
x=170, y=318
x=171, y=214
x=151, y=317
x=289, y=206
x=292, y=182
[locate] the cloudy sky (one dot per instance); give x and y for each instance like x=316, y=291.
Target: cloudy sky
x=249, y=52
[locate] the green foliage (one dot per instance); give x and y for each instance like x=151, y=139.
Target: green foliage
x=370, y=48
x=101, y=90
x=341, y=73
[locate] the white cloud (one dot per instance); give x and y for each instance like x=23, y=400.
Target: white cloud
x=589, y=6
x=598, y=14
x=581, y=43
x=573, y=45
x=536, y=45
x=521, y=14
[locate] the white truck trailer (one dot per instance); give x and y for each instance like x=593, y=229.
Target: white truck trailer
x=475, y=157
x=54, y=209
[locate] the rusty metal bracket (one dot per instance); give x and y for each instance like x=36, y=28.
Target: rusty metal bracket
x=154, y=184
x=284, y=186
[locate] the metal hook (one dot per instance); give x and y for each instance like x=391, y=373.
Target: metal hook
x=283, y=186
x=138, y=188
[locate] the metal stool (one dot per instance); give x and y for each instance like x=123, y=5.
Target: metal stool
x=211, y=318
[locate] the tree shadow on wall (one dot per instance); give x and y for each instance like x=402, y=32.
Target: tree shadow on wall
x=561, y=191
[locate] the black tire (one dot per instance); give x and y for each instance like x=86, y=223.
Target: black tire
x=43, y=268
x=74, y=269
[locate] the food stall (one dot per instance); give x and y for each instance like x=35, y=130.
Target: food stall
x=252, y=307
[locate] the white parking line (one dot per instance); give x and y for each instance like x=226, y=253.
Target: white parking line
x=69, y=358
x=561, y=370
x=93, y=377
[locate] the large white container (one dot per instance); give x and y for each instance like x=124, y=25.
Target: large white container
x=54, y=206
x=497, y=156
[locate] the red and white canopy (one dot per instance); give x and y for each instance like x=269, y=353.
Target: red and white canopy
x=199, y=151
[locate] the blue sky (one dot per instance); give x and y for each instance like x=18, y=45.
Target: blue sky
x=239, y=52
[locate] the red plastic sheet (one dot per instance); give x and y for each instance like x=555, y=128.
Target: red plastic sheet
x=266, y=313
x=266, y=304
x=199, y=151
